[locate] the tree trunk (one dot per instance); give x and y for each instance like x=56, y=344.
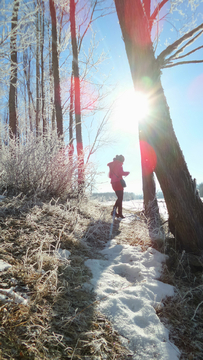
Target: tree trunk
x=37, y=73
x=13, y=76
x=184, y=206
x=51, y=112
x=55, y=65
x=77, y=96
x=148, y=162
x=140, y=62
x=27, y=73
x=71, y=148
x=42, y=66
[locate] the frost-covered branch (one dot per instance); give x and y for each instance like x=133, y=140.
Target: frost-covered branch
x=162, y=57
x=184, y=63
x=156, y=11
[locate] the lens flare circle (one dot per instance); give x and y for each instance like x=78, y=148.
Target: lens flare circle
x=148, y=157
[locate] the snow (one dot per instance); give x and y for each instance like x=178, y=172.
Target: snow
x=127, y=290
x=9, y=295
x=62, y=254
x=137, y=205
x=4, y=265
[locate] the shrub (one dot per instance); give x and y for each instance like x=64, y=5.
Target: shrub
x=37, y=165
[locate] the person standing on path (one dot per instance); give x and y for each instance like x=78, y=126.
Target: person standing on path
x=115, y=173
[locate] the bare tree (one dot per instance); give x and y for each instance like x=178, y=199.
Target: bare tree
x=71, y=110
x=183, y=203
x=27, y=76
x=90, y=12
x=42, y=66
x=13, y=76
x=37, y=69
x=77, y=101
x=55, y=65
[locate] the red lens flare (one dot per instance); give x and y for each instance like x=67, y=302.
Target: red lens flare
x=89, y=94
x=134, y=11
x=148, y=158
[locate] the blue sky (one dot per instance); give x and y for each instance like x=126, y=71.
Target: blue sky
x=183, y=86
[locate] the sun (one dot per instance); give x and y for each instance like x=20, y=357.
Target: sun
x=130, y=108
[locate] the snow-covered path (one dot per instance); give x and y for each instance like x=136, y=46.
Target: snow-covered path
x=126, y=285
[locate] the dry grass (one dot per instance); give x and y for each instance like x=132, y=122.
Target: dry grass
x=183, y=313
x=60, y=320
x=136, y=234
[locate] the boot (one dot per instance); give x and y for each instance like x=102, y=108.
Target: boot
x=116, y=214
x=120, y=215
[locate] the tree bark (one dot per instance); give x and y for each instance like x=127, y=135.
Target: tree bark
x=141, y=62
x=13, y=76
x=55, y=65
x=185, y=208
x=51, y=110
x=71, y=148
x=42, y=66
x=27, y=74
x=77, y=96
x=37, y=73
x=148, y=162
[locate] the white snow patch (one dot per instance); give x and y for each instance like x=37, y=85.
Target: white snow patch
x=9, y=295
x=126, y=284
x=62, y=254
x=4, y=265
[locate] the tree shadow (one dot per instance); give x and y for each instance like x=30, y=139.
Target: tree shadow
x=59, y=292
x=100, y=232
x=154, y=221
x=76, y=318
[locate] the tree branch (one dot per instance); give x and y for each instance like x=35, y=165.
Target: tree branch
x=174, y=56
x=147, y=7
x=177, y=43
x=182, y=63
x=189, y=53
x=88, y=25
x=156, y=11
x=98, y=133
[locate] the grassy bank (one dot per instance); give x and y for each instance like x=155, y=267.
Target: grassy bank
x=60, y=319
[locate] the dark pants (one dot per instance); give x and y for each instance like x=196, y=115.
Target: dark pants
x=118, y=203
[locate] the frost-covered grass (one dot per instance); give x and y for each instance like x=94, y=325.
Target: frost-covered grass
x=61, y=319
x=38, y=166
